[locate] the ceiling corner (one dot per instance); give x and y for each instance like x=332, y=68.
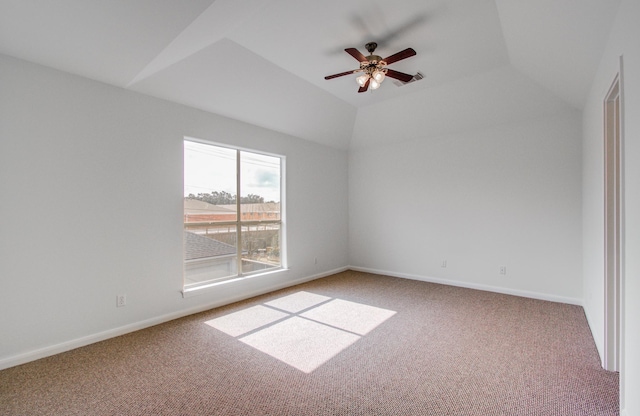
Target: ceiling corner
x=558, y=44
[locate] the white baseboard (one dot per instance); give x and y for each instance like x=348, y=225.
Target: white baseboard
x=136, y=326
x=488, y=288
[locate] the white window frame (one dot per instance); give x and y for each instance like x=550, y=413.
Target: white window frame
x=239, y=223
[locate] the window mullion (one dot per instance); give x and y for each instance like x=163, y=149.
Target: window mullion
x=238, y=217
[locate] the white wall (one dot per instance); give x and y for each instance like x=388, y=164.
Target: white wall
x=91, y=188
x=500, y=96
x=505, y=195
x=623, y=41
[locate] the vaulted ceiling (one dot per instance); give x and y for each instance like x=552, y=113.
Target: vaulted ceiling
x=264, y=61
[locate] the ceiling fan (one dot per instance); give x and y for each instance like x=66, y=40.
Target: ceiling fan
x=374, y=67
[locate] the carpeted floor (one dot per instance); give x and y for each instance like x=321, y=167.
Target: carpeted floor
x=349, y=344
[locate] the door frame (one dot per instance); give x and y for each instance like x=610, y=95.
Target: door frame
x=613, y=224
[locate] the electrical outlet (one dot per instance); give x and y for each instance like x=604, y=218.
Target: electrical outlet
x=121, y=300
x=503, y=269
x=443, y=264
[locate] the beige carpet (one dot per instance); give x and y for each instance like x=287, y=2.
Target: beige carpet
x=349, y=344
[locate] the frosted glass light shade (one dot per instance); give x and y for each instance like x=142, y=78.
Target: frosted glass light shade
x=378, y=76
x=362, y=79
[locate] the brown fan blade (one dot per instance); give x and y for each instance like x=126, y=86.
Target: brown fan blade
x=356, y=54
x=341, y=74
x=365, y=86
x=399, y=75
x=409, y=52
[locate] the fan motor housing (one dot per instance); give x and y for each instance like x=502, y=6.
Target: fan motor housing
x=372, y=62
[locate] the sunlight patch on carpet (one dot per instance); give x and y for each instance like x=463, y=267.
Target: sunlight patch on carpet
x=246, y=320
x=303, y=330
x=301, y=343
x=350, y=316
x=298, y=301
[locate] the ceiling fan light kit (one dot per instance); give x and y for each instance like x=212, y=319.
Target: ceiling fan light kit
x=374, y=67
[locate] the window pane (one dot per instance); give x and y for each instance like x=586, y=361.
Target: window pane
x=209, y=253
x=260, y=247
x=209, y=183
x=259, y=187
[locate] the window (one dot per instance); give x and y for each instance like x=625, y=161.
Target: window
x=226, y=236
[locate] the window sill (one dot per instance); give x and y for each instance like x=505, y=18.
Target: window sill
x=205, y=288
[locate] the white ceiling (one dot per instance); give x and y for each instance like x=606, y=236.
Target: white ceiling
x=264, y=61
